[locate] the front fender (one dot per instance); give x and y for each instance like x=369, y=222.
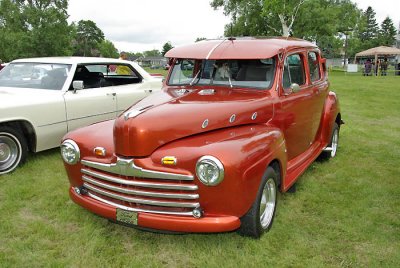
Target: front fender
x=245, y=153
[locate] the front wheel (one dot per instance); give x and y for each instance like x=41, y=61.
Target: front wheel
x=13, y=149
x=261, y=214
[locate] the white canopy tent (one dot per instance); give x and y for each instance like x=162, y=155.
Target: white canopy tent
x=378, y=51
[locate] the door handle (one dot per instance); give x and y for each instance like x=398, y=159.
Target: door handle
x=148, y=90
x=112, y=94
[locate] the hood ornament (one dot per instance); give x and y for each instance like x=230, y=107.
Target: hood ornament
x=135, y=112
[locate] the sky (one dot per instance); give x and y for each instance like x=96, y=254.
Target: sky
x=140, y=25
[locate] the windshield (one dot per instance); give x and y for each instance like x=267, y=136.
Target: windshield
x=257, y=73
x=34, y=75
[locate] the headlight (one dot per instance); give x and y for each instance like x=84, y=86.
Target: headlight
x=210, y=170
x=70, y=152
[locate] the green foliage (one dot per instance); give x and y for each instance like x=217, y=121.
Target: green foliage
x=198, y=39
x=344, y=213
x=322, y=21
x=135, y=55
x=107, y=49
x=387, y=34
x=34, y=28
x=167, y=46
x=88, y=38
x=152, y=53
x=369, y=34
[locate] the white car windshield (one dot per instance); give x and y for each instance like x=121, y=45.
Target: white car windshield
x=253, y=73
x=34, y=75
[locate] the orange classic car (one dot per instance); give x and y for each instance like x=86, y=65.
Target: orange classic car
x=211, y=150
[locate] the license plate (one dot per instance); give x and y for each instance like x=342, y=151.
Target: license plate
x=125, y=216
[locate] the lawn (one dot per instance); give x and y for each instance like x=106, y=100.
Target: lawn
x=345, y=212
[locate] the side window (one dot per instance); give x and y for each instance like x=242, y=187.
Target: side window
x=105, y=75
x=293, y=71
x=313, y=64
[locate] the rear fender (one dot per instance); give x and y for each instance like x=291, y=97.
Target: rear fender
x=331, y=114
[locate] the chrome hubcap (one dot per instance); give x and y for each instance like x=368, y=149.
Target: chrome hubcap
x=268, y=202
x=8, y=152
x=335, y=140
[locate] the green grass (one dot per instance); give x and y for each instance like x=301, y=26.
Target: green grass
x=345, y=212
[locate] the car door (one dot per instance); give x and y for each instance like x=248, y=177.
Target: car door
x=295, y=112
x=93, y=103
x=319, y=87
x=128, y=86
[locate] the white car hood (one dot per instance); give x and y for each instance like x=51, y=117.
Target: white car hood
x=15, y=97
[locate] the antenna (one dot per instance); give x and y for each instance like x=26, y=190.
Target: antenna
x=231, y=38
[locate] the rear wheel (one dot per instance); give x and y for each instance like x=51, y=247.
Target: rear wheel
x=13, y=149
x=331, y=150
x=261, y=214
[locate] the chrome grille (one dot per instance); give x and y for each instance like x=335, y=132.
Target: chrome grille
x=125, y=185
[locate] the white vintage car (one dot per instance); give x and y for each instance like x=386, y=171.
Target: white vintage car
x=41, y=99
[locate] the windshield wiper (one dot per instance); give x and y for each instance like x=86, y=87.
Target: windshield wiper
x=230, y=81
x=194, y=78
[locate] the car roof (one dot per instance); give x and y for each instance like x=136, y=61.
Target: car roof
x=235, y=48
x=72, y=60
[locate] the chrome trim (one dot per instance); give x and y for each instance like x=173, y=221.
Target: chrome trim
x=205, y=124
x=170, y=186
x=143, y=201
x=211, y=160
x=136, y=192
x=135, y=112
x=232, y=118
x=204, y=92
x=327, y=149
x=190, y=213
x=70, y=144
x=214, y=48
x=127, y=167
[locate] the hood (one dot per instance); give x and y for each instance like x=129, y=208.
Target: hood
x=177, y=113
x=15, y=97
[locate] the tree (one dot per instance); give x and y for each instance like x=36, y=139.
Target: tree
x=167, y=46
x=152, y=53
x=387, y=34
x=285, y=11
x=369, y=33
x=107, y=49
x=327, y=22
x=247, y=13
x=198, y=39
x=34, y=28
x=88, y=38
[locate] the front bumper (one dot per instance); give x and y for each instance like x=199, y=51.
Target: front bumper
x=161, y=222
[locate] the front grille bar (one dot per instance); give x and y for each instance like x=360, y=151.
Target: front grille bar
x=142, y=201
x=180, y=213
x=136, y=192
x=170, y=186
x=127, y=167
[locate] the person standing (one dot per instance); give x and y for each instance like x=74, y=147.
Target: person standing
x=384, y=66
x=123, y=69
x=377, y=65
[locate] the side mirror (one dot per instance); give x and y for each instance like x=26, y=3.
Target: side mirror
x=295, y=87
x=77, y=85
